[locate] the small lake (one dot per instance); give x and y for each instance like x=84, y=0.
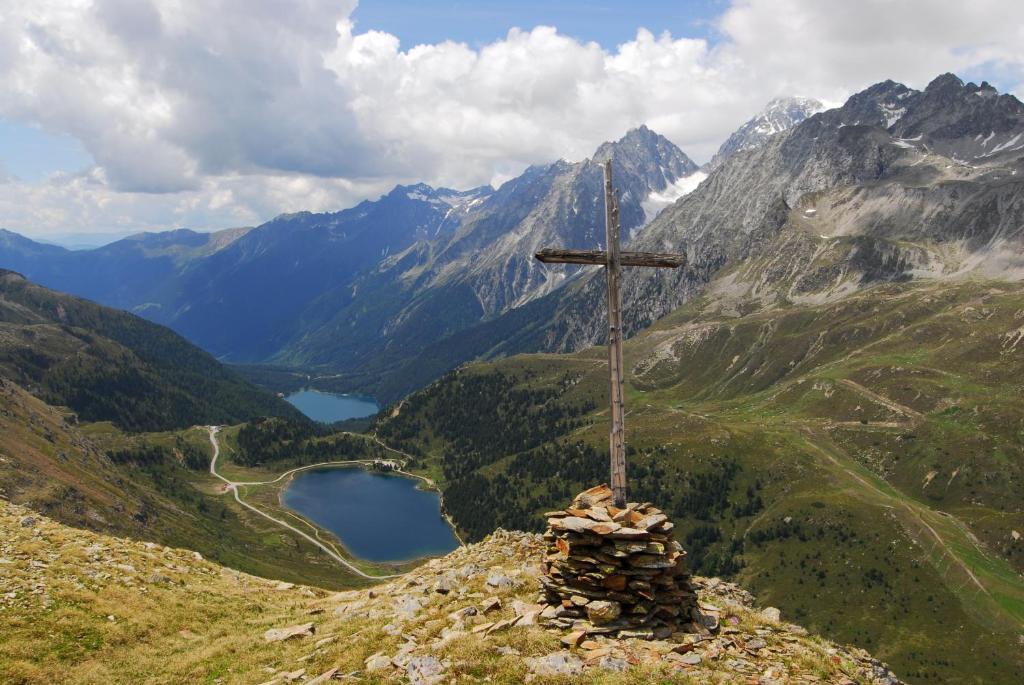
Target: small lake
x=328, y=407
x=377, y=516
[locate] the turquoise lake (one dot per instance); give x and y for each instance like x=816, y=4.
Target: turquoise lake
x=328, y=407
x=377, y=516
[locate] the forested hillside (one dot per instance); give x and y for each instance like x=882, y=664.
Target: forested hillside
x=108, y=365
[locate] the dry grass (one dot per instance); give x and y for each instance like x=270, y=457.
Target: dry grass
x=86, y=608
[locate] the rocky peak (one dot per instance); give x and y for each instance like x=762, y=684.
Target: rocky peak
x=781, y=114
x=947, y=82
x=962, y=121
x=650, y=156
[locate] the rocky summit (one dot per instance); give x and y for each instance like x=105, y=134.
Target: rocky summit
x=615, y=571
x=82, y=607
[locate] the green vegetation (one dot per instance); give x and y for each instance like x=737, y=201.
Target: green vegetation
x=282, y=443
x=858, y=463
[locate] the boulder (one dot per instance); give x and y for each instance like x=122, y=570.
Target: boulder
x=291, y=632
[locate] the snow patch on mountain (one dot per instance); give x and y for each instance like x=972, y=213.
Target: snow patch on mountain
x=659, y=200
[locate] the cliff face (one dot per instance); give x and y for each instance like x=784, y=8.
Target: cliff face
x=127, y=611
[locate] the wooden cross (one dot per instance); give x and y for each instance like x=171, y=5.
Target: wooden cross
x=613, y=260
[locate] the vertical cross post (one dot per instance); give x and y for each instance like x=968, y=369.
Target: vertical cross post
x=617, y=437
x=613, y=260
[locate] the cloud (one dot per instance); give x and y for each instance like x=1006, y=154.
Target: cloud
x=219, y=112
x=86, y=202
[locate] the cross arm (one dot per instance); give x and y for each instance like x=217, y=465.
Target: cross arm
x=600, y=258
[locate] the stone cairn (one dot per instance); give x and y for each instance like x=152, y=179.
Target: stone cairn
x=611, y=571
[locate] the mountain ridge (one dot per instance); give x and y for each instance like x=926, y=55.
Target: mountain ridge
x=829, y=203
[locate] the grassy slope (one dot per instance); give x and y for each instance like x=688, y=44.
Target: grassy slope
x=882, y=434
x=86, y=608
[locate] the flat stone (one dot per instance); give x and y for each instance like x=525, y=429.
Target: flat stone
x=556, y=664
x=601, y=494
x=502, y=625
x=425, y=670
x=574, y=638
x=629, y=534
x=690, y=659
x=530, y=618
x=280, y=634
x=649, y=522
x=603, y=612
x=323, y=678
x=500, y=580
x=756, y=644
x=596, y=654
x=464, y=613
x=490, y=604
x=613, y=664
x=408, y=606
x=575, y=524
x=614, y=582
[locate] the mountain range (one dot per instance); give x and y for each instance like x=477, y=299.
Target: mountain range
x=798, y=204
x=362, y=291
x=108, y=365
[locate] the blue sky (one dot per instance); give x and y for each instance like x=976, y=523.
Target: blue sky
x=478, y=22
x=31, y=154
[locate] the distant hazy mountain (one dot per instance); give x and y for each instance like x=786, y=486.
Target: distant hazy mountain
x=132, y=273
x=781, y=114
x=368, y=288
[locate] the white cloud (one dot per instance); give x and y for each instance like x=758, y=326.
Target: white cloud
x=219, y=112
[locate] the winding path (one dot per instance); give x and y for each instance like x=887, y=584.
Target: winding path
x=233, y=486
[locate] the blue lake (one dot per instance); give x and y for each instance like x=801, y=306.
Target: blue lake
x=377, y=516
x=328, y=407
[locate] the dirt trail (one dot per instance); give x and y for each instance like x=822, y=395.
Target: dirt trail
x=883, y=400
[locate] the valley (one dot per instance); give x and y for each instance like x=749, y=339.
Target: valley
x=825, y=399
